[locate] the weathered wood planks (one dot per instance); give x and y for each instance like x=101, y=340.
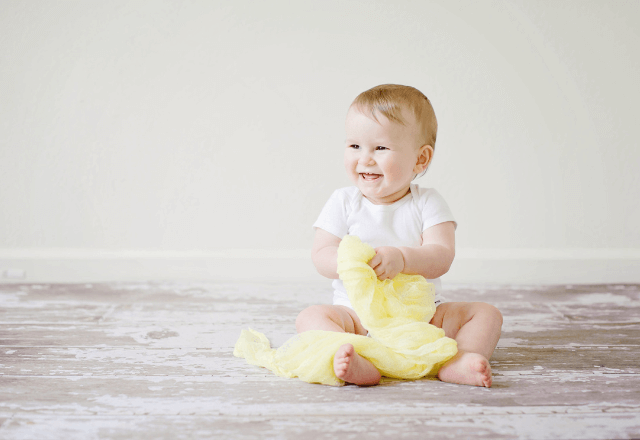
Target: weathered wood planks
x=154, y=360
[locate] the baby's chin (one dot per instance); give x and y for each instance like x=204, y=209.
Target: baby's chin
x=379, y=198
x=382, y=197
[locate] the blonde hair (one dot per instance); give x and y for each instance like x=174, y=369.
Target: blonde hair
x=390, y=99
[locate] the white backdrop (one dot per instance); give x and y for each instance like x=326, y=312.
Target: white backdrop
x=169, y=139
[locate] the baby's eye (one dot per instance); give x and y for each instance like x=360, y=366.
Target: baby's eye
x=355, y=147
x=380, y=147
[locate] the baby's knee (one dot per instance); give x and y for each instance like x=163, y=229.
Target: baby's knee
x=491, y=312
x=306, y=318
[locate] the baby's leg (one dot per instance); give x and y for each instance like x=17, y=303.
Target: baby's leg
x=332, y=318
x=347, y=364
x=476, y=328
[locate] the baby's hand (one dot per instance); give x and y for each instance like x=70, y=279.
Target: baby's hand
x=387, y=263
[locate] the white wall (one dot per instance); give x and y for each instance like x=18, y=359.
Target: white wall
x=144, y=139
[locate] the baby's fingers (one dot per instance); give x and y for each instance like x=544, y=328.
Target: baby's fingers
x=375, y=261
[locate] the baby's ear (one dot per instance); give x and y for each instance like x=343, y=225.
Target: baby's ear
x=424, y=158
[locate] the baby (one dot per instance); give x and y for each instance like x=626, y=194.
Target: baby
x=390, y=139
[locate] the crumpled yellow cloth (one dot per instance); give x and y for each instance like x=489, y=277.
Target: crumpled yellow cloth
x=401, y=342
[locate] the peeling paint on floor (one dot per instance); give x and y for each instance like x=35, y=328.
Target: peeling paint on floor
x=154, y=360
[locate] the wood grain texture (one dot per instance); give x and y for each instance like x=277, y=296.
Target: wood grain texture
x=154, y=360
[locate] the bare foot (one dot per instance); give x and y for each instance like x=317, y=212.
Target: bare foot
x=353, y=368
x=467, y=369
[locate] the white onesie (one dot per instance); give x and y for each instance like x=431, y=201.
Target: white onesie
x=400, y=224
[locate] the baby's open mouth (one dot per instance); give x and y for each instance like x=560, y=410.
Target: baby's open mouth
x=369, y=176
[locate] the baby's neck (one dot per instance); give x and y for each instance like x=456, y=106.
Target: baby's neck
x=389, y=201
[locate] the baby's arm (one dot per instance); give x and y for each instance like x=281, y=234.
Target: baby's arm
x=324, y=253
x=431, y=260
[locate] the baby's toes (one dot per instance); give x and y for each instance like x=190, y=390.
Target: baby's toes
x=484, y=369
x=342, y=363
x=341, y=360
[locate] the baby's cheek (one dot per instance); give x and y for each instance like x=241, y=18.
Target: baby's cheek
x=396, y=170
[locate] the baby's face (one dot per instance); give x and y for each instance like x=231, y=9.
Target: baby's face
x=381, y=158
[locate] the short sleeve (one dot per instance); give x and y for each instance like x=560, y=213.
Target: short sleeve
x=435, y=210
x=333, y=217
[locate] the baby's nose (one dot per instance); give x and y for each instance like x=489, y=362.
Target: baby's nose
x=366, y=158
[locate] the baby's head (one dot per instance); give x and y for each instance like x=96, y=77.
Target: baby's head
x=391, y=136
x=403, y=105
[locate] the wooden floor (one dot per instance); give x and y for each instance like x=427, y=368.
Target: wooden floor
x=129, y=361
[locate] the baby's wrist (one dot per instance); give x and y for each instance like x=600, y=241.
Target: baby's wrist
x=403, y=260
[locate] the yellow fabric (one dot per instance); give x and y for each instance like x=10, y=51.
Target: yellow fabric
x=402, y=343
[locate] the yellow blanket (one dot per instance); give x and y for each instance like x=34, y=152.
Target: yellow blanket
x=401, y=342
